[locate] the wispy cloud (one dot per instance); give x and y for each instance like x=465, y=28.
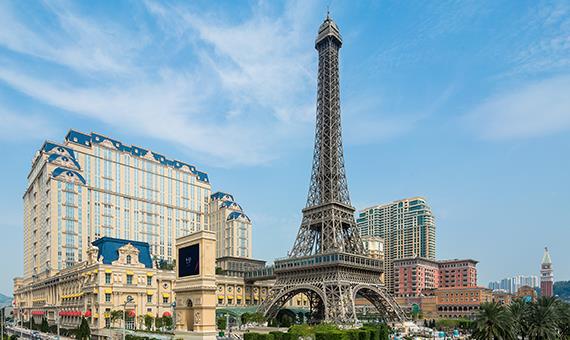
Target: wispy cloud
x=531, y=110
x=242, y=79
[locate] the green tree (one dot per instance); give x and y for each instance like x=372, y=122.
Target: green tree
x=44, y=326
x=221, y=323
x=563, y=312
x=542, y=320
x=115, y=315
x=167, y=321
x=519, y=310
x=148, y=321
x=158, y=323
x=83, y=332
x=494, y=322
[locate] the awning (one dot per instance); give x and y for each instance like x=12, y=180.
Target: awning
x=108, y=271
x=149, y=274
x=108, y=291
x=130, y=272
x=150, y=292
x=38, y=312
x=166, y=314
x=131, y=313
x=166, y=295
x=88, y=314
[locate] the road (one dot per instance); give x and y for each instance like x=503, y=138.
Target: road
x=27, y=334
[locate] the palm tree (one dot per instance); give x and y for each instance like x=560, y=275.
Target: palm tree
x=519, y=310
x=563, y=312
x=494, y=322
x=543, y=319
x=116, y=315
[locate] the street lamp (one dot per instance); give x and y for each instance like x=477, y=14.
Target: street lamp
x=173, y=315
x=129, y=300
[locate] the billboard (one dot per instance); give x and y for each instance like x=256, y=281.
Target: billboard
x=189, y=260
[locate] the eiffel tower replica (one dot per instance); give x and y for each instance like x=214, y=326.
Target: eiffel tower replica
x=328, y=262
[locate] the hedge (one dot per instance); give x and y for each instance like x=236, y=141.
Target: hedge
x=331, y=335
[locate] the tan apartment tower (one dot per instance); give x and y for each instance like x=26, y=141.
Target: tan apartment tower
x=407, y=227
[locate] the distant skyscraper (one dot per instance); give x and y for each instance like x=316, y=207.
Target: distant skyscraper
x=232, y=226
x=546, y=275
x=407, y=227
x=512, y=284
x=92, y=186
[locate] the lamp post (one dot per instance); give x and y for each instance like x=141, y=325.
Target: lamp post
x=129, y=300
x=3, y=310
x=173, y=315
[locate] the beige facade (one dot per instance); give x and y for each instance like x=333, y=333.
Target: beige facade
x=92, y=289
x=91, y=186
x=407, y=227
x=232, y=227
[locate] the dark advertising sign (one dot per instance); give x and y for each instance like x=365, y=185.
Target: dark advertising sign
x=189, y=260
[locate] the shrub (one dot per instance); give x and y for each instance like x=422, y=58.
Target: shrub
x=250, y=336
x=264, y=337
x=277, y=335
x=363, y=334
x=331, y=335
x=352, y=334
x=301, y=330
x=374, y=332
x=289, y=336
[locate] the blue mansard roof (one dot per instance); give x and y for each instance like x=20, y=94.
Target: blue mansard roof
x=237, y=214
x=220, y=195
x=109, y=249
x=87, y=140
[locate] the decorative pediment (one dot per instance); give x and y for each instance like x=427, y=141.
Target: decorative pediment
x=108, y=144
x=128, y=256
x=68, y=175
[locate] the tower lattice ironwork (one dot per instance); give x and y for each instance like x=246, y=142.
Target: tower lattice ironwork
x=328, y=262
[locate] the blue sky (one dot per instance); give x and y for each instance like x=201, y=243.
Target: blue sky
x=463, y=102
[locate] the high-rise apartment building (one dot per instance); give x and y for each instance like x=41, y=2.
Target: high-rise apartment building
x=92, y=186
x=546, y=275
x=512, y=284
x=407, y=227
x=232, y=227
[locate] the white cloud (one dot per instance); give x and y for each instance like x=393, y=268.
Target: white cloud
x=70, y=40
x=246, y=91
x=535, y=109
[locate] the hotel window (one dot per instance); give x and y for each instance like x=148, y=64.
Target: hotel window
x=129, y=279
x=149, y=280
x=129, y=259
x=149, y=298
x=164, y=299
x=107, y=278
x=107, y=297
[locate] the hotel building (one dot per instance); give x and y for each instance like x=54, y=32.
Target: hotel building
x=407, y=227
x=92, y=186
x=115, y=270
x=232, y=227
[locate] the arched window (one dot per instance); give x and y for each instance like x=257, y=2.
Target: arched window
x=129, y=259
